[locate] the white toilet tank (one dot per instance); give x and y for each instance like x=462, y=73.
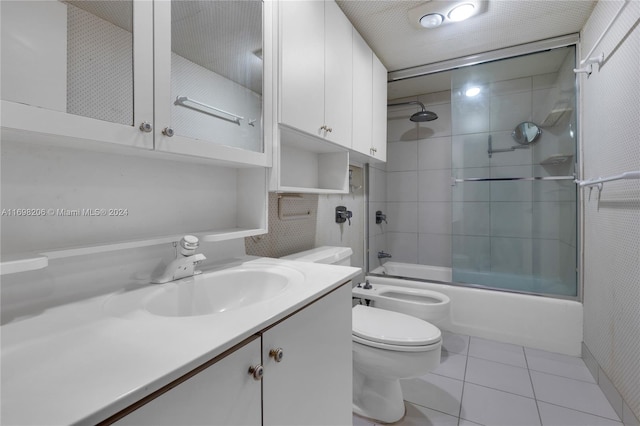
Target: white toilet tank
x=326, y=254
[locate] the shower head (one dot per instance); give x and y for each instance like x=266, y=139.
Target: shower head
x=420, y=116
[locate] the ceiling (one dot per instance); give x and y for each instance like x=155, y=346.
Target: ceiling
x=385, y=25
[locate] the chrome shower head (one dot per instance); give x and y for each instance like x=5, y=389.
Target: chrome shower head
x=420, y=116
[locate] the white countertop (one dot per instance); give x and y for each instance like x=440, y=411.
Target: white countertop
x=81, y=363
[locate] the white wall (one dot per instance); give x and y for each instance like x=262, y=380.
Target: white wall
x=330, y=233
x=611, y=145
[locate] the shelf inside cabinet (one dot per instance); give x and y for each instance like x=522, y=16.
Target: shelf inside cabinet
x=309, y=165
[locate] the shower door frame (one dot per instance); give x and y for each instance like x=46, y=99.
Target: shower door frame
x=507, y=53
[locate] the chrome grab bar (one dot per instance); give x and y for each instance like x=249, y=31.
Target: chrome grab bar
x=502, y=179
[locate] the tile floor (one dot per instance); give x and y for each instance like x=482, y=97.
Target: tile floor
x=483, y=382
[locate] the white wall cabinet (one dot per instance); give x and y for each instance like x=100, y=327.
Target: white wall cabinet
x=72, y=70
x=86, y=62
x=306, y=360
x=75, y=74
x=379, y=103
x=369, y=102
x=315, y=65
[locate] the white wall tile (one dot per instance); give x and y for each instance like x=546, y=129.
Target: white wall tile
x=377, y=185
x=515, y=85
x=504, y=140
x=402, y=217
x=471, y=253
x=434, y=185
x=434, y=217
x=402, y=186
x=402, y=156
x=471, y=191
x=470, y=115
x=511, y=255
x=434, y=250
x=509, y=110
x=470, y=151
x=403, y=246
x=434, y=153
x=471, y=218
x=399, y=127
x=438, y=127
x=512, y=219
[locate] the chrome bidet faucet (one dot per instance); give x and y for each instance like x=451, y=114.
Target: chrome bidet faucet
x=184, y=265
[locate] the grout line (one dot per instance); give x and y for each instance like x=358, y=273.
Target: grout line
x=533, y=389
x=464, y=380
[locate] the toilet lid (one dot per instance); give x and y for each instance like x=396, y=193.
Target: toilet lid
x=394, y=328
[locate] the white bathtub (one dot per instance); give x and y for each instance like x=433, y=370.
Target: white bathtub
x=537, y=322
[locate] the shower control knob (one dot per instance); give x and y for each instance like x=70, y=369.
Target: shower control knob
x=146, y=127
x=276, y=354
x=256, y=372
x=167, y=131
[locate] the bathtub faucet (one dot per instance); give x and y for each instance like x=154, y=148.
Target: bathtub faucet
x=383, y=255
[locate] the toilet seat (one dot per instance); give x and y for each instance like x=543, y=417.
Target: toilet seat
x=392, y=330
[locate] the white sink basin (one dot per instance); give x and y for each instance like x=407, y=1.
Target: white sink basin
x=221, y=291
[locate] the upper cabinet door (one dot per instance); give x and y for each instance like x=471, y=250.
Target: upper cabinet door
x=209, y=79
x=379, y=128
x=302, y=65
x=338, y=66
x=362, y=95
x=72, y=69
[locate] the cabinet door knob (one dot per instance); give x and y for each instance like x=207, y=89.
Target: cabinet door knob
x=167, y=131
x=256, y=372
x=374, y=150
x=276, y=354
x=324, y=127
x=329, y=129
x=146, y=127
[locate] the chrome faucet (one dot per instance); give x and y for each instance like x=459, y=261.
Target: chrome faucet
x=184, y=265
x=383, y=255
x=380, y=217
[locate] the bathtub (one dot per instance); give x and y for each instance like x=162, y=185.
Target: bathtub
x=537, y=322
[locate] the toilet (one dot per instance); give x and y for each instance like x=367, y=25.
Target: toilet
x=387, y=346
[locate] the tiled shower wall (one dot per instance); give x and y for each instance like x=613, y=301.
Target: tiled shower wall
x=418, y=185
x=611, y=145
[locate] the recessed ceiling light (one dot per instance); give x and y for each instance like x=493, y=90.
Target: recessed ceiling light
x=472, y=91
x=462, y=12
x=437, y=13
x=431, y=20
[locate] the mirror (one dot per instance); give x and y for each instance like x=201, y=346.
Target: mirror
x=526, y=132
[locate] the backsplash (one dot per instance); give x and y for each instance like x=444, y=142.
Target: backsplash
x=295, y=232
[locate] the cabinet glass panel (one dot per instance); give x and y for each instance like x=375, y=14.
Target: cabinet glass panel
x=216, y=72
x=71, y=56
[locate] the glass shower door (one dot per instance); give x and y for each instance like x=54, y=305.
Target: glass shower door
x=513, y=155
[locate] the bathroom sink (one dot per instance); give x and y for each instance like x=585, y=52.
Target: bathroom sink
x=221, y=291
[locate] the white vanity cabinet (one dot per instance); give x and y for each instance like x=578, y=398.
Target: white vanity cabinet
x=220, y=394
x=312, y=384
x=306, y=361
x=315, y=65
